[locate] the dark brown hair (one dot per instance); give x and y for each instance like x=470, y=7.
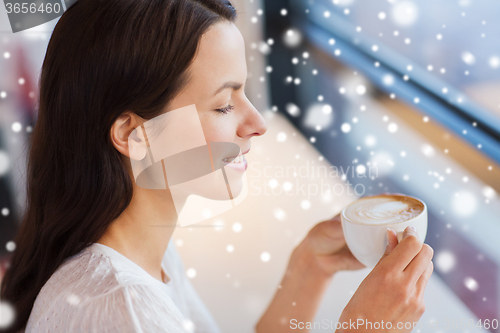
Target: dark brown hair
x=104, y=57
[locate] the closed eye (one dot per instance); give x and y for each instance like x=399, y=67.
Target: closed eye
x=225, y=110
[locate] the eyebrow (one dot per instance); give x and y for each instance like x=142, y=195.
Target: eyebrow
x=229, y=84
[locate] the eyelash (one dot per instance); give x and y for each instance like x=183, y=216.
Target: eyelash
x=225, y=110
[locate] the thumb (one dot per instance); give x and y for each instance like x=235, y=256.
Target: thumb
x=392, y=241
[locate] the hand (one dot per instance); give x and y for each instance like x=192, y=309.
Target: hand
x=327, y=247
x=394, y=290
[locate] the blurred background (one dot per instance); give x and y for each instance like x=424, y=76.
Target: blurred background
x=361, y=97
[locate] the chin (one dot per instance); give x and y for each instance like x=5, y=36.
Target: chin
x=214, y=185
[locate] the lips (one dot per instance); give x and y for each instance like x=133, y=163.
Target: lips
x=236, y=162
x=237, y=159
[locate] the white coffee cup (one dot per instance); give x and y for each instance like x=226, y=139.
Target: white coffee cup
x=367, y=239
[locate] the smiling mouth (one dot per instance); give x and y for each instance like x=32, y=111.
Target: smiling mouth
x=235, y=160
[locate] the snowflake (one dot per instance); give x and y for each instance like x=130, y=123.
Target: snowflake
x=388, y=79
x=281, y=137
x=346, y=128
x=272, y=183
x=293, y=109
x=305, y=204
x=404, y=13
x=7, y=314
x=188, y=325
x=361, y=89
x=265, y=256
x=73, y=299
x=489, y=192
x=494, y=62
x=464, y=204
x=392, y=128
x=468, y=58
x=16, y=127
x=471, y=284
x=191, y=273
x=361, y=169
x=292, y=37
x=428, y=150
x=10, y=246
x=279, y=213
x=237, y=227
x=5, y=211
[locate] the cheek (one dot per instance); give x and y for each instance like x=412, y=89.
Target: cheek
x=220, y=129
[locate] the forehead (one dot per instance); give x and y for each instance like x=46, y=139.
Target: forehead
x=220, y=58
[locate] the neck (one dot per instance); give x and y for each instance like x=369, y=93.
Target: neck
x=142, y=232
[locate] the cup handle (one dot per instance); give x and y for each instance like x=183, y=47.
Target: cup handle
x=399, y=235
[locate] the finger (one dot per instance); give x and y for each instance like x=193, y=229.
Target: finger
x=336, y=218
x=391, y=243
x=407, y=249
x=326, y=237
x=345, y=260
x=424, y=278
x=332, y=228
x=419, y=264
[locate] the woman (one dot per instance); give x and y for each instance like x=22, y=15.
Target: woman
x=87, y=258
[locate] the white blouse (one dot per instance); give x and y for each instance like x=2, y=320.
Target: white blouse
x=101, y=290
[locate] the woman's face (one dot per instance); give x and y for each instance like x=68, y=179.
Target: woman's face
x=216, y=86
x=217, y=81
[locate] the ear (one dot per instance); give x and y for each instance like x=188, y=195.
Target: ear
x=127, y=136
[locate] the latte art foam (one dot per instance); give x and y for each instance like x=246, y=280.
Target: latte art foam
x=384, y=210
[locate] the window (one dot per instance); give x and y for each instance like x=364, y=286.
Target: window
x=455, y=42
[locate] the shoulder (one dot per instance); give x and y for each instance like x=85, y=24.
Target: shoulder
x=87, y=275
x=96, y=291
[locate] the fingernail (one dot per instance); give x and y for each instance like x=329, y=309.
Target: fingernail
x=413, y=228
x=387, y=237
x=408, y=231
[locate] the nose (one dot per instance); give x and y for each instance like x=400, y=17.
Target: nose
x=252, y=124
